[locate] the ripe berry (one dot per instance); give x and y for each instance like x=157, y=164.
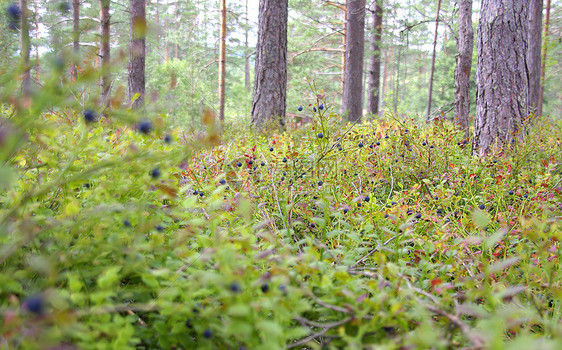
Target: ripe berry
x=168, y=139
x=159, y=228
x=300, y=108
x=418, y=216
x=378, y=143
x=188, y=323
x=126, y=223
x=439, y=211
x=145, y=127
x=321, y=107
x=34, y=304
x=235, y=287
x=265, y=288
x=386, y=216
x=155, y=173
x=250, y=162
x=360, y=144
x=239, y=164
x=320, y=183
x=386, y=136
x=358, y=204
x=345, y=211
x=284, y=160
x=283, y=289
x=424, y=144
x=314, y=109
x=223, y=182
x=511, y=192
x=320, y=135
x=89, y=116
x=208, y=334
x=367, y=199
x=270, y=149
x=482, y=206
x=312, y=226
x=262, y=164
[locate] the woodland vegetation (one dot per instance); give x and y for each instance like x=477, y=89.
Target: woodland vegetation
x=311, y=174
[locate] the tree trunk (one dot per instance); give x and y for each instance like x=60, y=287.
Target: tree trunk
x=158, y=31
x=432, y=69
x=176, y=29
x=375, y=62
x=166, y=44
x=247, y=53
x=222, y=59
x=344, y=45
x=501, y=75
x=75, y=39
x=270, y=81
x=543, y=64
x=105, y=83
x=465, y=45
x=25, y=46
x=352, y=99
x=137, y=51
x=534, y=53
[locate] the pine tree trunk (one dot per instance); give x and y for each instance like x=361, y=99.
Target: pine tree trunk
x=432, y=69
x=25, y=47
x=75, y=38
x=247, y=54
x=222, y=59
x=375, y=62
x=270, y=81
x=137, y=51
x=37, y=64
x=534, y=53
x=176, y=28
x=105, y=81
x=352, y=99
x=543, y=63
x=465, y=46
x=501, y=74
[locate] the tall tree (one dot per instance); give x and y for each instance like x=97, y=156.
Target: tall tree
x=105, y=81
x=222, y=59
x=270, y=81
x=432, y=69
x=543, y=64
x=75, y=38
x=352, y=99
x=247, y=52
x=534, y=52
x=465, y=45
x=501, y=74
x=375, y=61
x=137, y=51
x=25, y=47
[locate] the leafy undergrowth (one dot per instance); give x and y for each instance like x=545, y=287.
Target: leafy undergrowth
x=118, y=233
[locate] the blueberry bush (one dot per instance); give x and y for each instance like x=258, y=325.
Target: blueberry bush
x=117, y=232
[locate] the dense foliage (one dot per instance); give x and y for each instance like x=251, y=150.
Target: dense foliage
x=117, y=232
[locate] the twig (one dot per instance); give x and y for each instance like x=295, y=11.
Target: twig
x=326, y=328
x=475, y=339
x=330, y=306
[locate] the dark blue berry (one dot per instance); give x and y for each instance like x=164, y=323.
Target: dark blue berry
x=270, y=149
x=386, y=136
x=321, y=107
x=424, y=144
x=283, y=289
x=155, y=173
x=320, y=135
x=89, y=116
x=239, y=164
x=511, y=192
x=284, y=160
x=314, y=109
x=265, y=288
x=386, y=216
x=262, y=164
x=482, y=206
x=168, y=139
x=159, y=228
x=208, y=334
x=145, y=127
x=439, y=211
x=312, y=226
x=360, y=144
x=418, y=216
x=235, y=287
x=300, y=108
x=367, y=199
x=320, y=183
x=35, y=304
x=223, y=182
x=358, y=204
x=188, y=323
x=345, y=211
x=378, y=143
x=126, y=223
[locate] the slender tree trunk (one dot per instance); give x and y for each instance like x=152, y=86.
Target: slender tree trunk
x=137, y=51
x=166, y=45
x=270, y=81
x=176, y=29
x=375, y=62
x=158, y=31
x=397, y=80
x=25, y=46
x=344, y=45
x=543, y=64
x=75, y=39
x=222, y=59
x=352, y=99
x=37, y=64
x=465, y=45
x=534, y=52
x=105, y=81
x=501, y=75
x=432, y=69
x=247, y=53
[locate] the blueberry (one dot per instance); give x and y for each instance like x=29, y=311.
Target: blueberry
x=34, y=304
x=89, y=116
x=358, y=204
x=282, y=178
x=482, y=206
x=367, y=199
x=188, y=323
x=208, y=333
x=321, y=107
x=409, y=149
x=262, y=164
x=320, y=135
x=239, y=164
x=418, y=216
x=145, y=127
x=155, y=173
x=195, y=193
x=386, y=137
x=439, y=211
x=159, y=228
x=345, y=211
x=300, y=108
x=447, y=221
x=360, y=144
x=201, y=194
x=270, y=149
x=314, y=109
x=312, y=225
x=235, y=287
x=283, y=289
x=320, y=183
x=250, y=162
x=511, y=192
x=393, y=203
x=371, y=146
x=378, y=143
x=223, y=182
x=526, y=195
x=339, y=148
x=424, y=144
x=265, y=288
x=168, y=138
x=284, y=160
x=431, y=146
x=126, y=223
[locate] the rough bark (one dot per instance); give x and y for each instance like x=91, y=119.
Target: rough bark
x=25, y=47
x=137, y=51
x=543, y=63
x=375, y=61
x=105, y=81
x=465, y=45
x=534, y=52
x=75, y=38
x=270, y=81
x=352, y=99
x=432, y=69
x=501, y=75
x=222, y=59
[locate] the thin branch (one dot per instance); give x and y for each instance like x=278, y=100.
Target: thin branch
x=313, y=336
